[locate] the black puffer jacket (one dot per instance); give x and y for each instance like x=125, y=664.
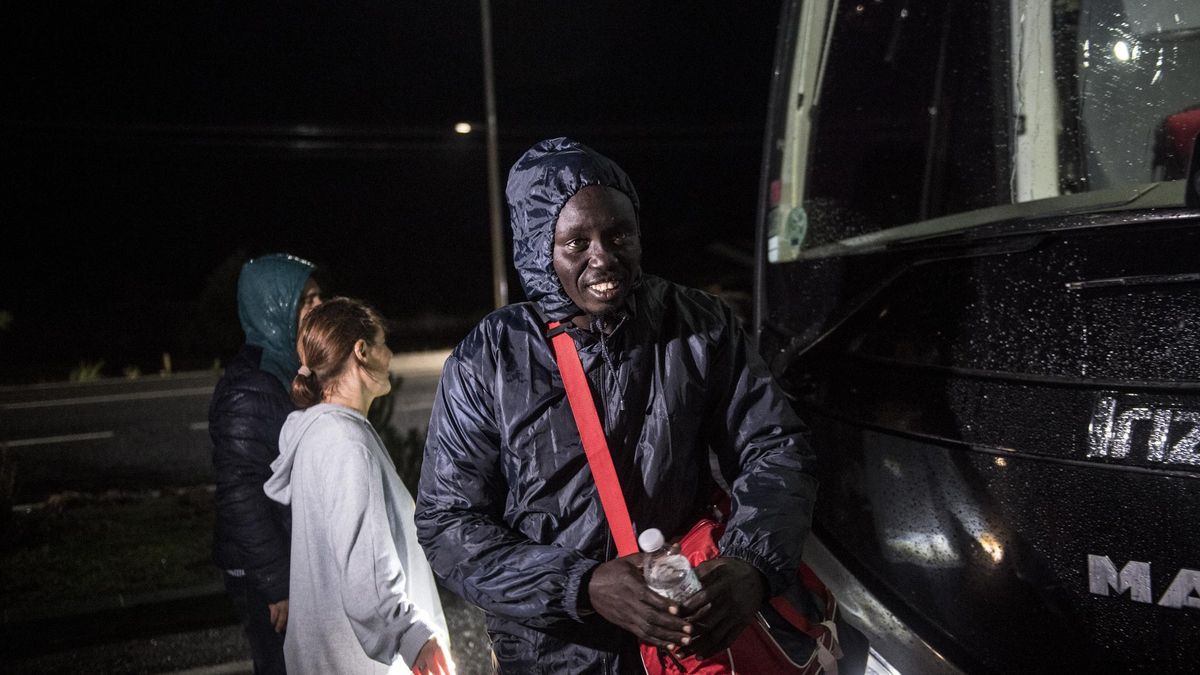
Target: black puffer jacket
x=507, y=509
x=247, y=411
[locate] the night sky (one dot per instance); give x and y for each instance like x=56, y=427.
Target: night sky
x=148, y=148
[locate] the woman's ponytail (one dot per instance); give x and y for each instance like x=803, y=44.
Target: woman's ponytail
x=306, y=389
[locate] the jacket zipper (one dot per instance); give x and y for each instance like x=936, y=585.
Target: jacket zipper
x=611, y=384
x=604, y=664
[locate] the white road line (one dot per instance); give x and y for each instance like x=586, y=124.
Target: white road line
x=414, y=407
x=198, y=426
x=65, y=438
x=419, y=363
x=109, y=398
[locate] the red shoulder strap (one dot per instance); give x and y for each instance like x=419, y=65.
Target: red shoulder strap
x=594, y=443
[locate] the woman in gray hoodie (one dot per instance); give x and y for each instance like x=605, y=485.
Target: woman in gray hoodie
x=362, y=598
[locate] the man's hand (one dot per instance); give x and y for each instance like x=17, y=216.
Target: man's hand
x=619, y=594
x=432, y=660
x=279, y=615
x=732, y=591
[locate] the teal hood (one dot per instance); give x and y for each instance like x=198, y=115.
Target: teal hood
x=268, y=296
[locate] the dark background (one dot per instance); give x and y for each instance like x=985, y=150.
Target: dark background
x=149, y=148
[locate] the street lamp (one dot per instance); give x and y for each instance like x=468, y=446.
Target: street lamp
x=499, y=271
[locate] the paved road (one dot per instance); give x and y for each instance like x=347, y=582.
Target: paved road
x=152, y=431
x=194, y=635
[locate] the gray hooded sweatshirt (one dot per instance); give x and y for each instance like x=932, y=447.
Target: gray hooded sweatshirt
x=363, y=599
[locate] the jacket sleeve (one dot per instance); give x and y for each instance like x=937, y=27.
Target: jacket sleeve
x=245, y=427
x=460, y=522
x=766, y=460
x=371, y=577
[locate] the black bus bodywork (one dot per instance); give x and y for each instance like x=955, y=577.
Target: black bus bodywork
x=978, y=275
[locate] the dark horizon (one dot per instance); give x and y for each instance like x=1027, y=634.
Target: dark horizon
x=139, y=173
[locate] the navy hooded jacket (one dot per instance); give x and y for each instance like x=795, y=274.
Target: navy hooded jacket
x=247, y=410
x=507, y=510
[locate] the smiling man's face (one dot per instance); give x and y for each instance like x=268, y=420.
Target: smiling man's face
x=597, y=251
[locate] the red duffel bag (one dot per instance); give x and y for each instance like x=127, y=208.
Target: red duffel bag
x=794, y=632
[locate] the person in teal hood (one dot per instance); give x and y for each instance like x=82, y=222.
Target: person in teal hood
x=247, y=411
x=274, y=292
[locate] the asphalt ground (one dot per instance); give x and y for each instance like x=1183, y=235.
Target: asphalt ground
x=182, y=632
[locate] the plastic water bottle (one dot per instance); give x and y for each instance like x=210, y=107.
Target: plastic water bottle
x=667, y=573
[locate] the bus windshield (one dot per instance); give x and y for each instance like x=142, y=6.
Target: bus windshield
x=893, y=112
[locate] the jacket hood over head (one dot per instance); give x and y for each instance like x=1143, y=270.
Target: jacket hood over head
x=539, y=185
x=269, y=289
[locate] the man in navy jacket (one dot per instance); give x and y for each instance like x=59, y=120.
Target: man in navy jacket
x=507, y=507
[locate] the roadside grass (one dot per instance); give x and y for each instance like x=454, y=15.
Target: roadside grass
x=84, y=552
x=79, y=553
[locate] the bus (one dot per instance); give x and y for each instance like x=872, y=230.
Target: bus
x=977, y=276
